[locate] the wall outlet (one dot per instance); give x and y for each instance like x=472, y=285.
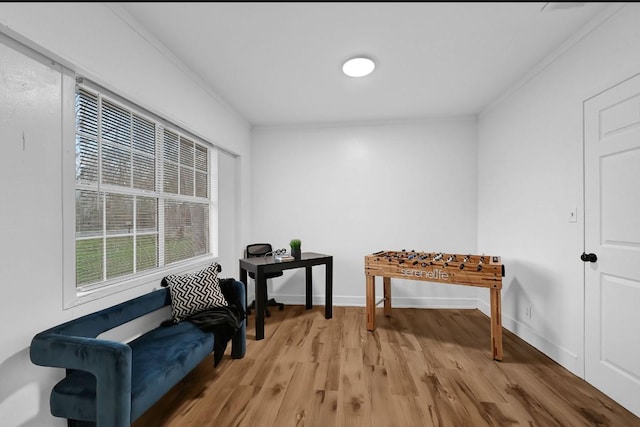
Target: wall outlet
x=527, y=312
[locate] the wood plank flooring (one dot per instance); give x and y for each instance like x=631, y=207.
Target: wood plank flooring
x=420, y=367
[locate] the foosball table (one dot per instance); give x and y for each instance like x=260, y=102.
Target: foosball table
x=471, y=270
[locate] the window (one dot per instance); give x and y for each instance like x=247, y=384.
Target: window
x=142, y=193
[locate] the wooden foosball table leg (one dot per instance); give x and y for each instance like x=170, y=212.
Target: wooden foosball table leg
x=386, y=284
x=496, y=324
x=371, y=303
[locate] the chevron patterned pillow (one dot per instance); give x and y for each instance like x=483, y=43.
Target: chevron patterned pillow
x=195, y=292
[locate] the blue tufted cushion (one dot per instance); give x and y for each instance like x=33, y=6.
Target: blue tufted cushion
x=75, y=397
x=160, y=359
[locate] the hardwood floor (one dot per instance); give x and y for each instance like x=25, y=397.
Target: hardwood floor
x=420, y=367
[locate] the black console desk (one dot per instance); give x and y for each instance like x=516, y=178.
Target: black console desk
x=259, y=266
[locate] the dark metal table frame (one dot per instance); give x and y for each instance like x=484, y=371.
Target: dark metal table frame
x=260, y=266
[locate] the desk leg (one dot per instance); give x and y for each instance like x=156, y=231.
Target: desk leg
x=243, y=279
x=328, y=290
x=371, y=303
x=496, y=324
x=261, y=287
x=386, y=286
x=308, y=278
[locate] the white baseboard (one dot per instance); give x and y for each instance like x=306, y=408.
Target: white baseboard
x=400, y=302
x=557, y=353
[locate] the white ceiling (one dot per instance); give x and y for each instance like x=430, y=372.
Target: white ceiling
x=280, y=63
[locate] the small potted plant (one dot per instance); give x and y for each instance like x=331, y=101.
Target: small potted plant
x=295, y=248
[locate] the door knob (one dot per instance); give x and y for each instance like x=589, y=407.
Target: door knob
x=588, y=257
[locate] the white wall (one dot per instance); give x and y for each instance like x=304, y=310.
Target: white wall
x=352, y=190
x=530, y=169
x=228, y=215
x=97, y=42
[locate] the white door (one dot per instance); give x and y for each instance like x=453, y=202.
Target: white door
x=612, y=233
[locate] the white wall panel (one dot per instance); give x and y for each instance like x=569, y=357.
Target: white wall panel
x=349, y=191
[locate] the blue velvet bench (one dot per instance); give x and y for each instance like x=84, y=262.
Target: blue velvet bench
x=110, y=383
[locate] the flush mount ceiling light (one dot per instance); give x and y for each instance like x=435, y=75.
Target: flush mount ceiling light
x=358, y=67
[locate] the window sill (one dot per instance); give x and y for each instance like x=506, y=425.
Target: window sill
x=74, y=298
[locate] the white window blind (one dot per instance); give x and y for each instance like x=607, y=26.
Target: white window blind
x=142, y=192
